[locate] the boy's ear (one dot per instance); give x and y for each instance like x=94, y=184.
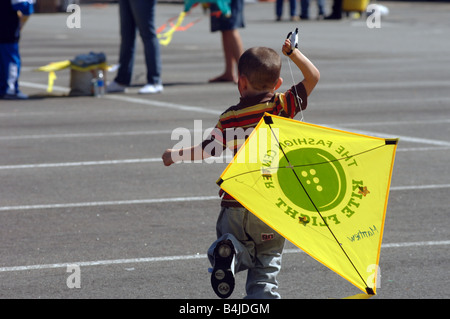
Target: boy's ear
x=279, y=82
x=242, y=84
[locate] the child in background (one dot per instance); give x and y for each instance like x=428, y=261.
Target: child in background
x=13, y=15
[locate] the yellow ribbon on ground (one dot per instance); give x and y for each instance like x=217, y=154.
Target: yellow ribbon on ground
x=52, y=67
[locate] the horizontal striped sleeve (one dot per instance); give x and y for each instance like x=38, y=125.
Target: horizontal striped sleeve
x=295, y=98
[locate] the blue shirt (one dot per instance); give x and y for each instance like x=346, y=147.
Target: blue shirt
x=9, y=21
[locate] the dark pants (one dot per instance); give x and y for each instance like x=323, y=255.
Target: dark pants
x=138, y=15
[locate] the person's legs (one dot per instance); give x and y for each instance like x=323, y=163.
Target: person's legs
x=232, y=251
x=262, y=277
x=257, y=248
x=230, y=226
x=232, y=48
x=127, y=43
x=336, y=13
x=231, y=39
x=321, y=8
x=304, y=9
x=144, y=13
x=279, y=9
x=292, y=8
x=10, y=70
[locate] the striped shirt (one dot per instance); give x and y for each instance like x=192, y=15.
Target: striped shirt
x=237, y=122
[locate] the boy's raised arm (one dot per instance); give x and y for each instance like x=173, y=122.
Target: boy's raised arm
x=310, y=72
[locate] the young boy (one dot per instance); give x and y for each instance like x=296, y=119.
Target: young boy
x=244, y=242
x=13, y=15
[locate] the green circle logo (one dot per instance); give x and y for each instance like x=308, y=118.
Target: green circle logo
x=320, y=173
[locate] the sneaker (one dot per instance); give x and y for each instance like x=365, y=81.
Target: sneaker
x=18, y=96
x=151, y=89
x=222, y=277
x=115, y=87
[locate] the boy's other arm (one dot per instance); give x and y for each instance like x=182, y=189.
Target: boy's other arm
x=310, y=72
x=171, y=156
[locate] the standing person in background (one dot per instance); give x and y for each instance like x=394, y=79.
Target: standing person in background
x=292, y=8
x=231, y=39
x=138, y=15
x=336, y=13
x=304, y=9
x=13, y=15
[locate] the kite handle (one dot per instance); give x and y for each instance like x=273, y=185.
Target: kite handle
x=293, y=36
x=294, y=40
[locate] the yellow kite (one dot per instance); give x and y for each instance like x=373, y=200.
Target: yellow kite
x=324, y=190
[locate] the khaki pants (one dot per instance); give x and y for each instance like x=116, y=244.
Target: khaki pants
x=258, y=250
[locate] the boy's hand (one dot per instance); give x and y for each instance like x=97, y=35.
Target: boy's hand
x=286, y=47
x=167, y=157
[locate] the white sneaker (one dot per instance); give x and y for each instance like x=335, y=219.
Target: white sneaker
x=151, y=89
x=115, y=87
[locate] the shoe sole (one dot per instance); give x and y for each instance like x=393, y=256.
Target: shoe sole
x=222, y=277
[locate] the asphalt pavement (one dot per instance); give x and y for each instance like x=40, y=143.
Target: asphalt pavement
x=84, y=192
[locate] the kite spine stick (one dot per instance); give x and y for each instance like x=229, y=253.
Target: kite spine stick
x=368, y=289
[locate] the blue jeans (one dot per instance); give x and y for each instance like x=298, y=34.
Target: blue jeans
x=304, y=5
x=138, y=15
x=279, y=7
x=9, y=68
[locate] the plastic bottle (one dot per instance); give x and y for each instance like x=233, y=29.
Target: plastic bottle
x=94, y=87
x=100, y=83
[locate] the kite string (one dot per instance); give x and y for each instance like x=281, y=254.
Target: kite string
x=317, y=210
x=295, y=89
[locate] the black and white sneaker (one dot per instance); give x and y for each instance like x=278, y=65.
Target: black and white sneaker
x=222, y=277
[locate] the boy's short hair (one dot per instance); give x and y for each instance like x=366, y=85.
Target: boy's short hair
x=261, y=66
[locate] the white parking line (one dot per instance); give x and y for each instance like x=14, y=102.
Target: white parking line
x=112, y=203
x=86, y=163
x=186, y=257
x=129, y=99
x=172, y=200
x=83, y=135
x=225, y=159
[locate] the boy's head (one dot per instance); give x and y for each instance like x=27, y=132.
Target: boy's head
x=261, y=67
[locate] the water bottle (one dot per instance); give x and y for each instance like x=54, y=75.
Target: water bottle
x=94, y=86
x=100, y=83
